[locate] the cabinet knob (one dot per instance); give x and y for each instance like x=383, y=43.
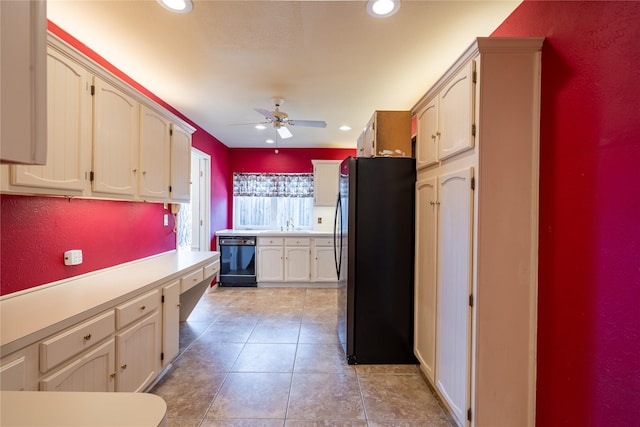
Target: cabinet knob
x=178, y=305
x=87, y=337
x=142, y=307
x=433, y=137
x=113, y=375
x=123, y=366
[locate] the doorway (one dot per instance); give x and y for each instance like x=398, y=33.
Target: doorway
x=194, y=217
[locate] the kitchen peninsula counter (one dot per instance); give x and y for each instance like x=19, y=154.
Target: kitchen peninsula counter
x=32, y=315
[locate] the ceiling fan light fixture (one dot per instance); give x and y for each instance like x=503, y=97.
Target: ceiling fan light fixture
x=177, y=6
x=260, y=127
x=345, y=128
x=382, y=8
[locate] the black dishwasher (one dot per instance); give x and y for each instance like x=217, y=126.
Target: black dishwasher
x=238, y=261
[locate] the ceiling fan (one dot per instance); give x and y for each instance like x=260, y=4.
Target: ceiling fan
x=280, y=120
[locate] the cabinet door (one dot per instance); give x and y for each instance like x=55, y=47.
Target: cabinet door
x=297, y=263
x=23, y=123
x=155, y=151
x=170, y=322
x=454, y=279
x=425, y=290
x=180, y=165
x=360, y=145
x=115, y=141
x=455, y=114
x=138, y=356
x=94, y=371
x=369, y=140
x=324, y=265
x=68, y=129
x=427, y=135
x=325, y=182
x=270, y=264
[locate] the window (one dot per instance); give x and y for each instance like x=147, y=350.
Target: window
x=270, y=201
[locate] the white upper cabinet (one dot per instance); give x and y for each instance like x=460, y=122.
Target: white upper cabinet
x=68, y=130
x=23, y=44
x=455, y=114
x=155, y=155
x=180, y=164
x=104, y=139
x=427, y=135
x=115, y=140
x=326, y=175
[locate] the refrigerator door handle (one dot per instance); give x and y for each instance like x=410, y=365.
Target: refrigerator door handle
x=337, y=256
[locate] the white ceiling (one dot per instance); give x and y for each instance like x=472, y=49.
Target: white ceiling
x=330, y=60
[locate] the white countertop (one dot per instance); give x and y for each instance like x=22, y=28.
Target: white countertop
x=272, y=233
x=32, y=315
x=43, y=408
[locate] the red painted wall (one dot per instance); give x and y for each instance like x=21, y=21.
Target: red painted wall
x=589, y=258
x=35, y=231
x=287, y=160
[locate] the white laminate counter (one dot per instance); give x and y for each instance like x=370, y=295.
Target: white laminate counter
x=274, y=233
x=42, y=408
x=29, y=316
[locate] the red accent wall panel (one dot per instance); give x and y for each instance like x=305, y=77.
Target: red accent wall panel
x=588, y=371
x=36, y=231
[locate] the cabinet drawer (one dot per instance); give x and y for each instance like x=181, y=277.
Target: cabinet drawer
x=270, y=241
x=297, y=241
x=136, y=308
x=67, y=344
x=190, y=280
x=323, y=241
x=211, y=269
x=12, y=375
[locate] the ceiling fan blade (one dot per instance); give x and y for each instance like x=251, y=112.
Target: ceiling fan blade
x=267, y=114
x=284, y=132
x=309, y=123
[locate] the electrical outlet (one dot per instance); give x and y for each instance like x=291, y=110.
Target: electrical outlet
x=319, y=220
x=73, y=257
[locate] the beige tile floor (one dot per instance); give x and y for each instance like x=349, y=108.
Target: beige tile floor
x=270, y=357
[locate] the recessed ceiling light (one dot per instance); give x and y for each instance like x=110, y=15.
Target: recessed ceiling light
x=178, y=6
x=261, y=127
x=269, y=141
x=382, y=8
x=344, y=128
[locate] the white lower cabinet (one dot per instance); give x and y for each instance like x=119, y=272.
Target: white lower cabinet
x=93, y=371
x=170, y=322
x=295, y=259
x=297, y=265
x=138, y=354
x=270, y=266
x=323, y=265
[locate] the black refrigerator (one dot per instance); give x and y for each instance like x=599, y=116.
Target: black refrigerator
x=374, y=237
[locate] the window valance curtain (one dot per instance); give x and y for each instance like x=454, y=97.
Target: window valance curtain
x=273, y=184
